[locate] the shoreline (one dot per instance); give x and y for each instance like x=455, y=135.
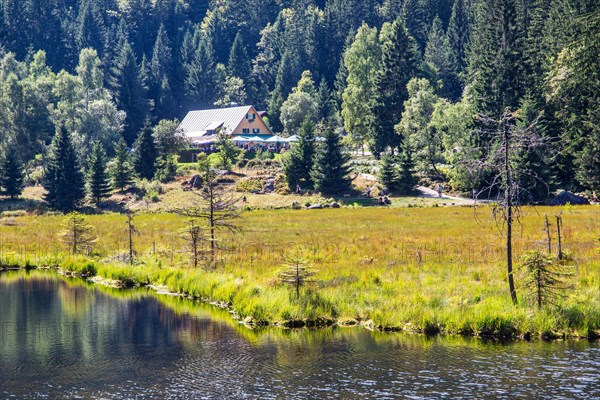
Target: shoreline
x=317, y=323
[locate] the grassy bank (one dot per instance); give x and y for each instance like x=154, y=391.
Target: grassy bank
x=417, y=269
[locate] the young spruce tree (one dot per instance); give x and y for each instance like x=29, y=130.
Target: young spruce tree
x=330, y=171
x=98, y=184
x=299, y=162
x=145, y=153
x=11, y=175
x=63, y=179
x=122, y=173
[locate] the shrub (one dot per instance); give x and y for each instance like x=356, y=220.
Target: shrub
x=249, y=185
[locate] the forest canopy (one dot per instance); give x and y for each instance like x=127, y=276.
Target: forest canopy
x=396, y=75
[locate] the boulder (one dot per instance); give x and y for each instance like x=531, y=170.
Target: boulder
x=566, y=197
x=335, y=205
x=314, y=207
x=195, y=182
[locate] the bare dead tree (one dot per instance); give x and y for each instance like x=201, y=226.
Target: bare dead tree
x=508, y=141
x=548, y=234
x=131, y=232
x=215, y=205
x=559, y=253
x=192, y=234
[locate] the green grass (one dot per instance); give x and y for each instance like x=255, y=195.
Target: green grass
x=425, y=270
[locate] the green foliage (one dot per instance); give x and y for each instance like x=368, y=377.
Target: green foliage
x=63, y=179
x=77, y=234
x=11, y=174
x=121, y=171
x=362, y=61
x=330, y=173
x=166, y=169
x=400, y=62
x=296, y=273
x=545, y=277
x=145, y=153
x=416, y=127
x=227, y=151
x=298, y=162
x=406, y=180
x=98, y=184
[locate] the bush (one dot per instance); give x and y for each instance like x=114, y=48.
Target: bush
x=249, y=185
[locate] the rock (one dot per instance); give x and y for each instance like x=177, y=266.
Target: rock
x=566, y=197
x=195, y=182
x=296, y=205
x=326, y=206
x=335, y=205
x=314, y=207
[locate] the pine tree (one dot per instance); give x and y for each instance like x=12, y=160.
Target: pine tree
x=122, y=173
x=91, y=31
x=63, y=179
x=400, y=62
x=98, y=184
x=388, y=172
x=406, y=180
x=145, y=153
x=299, y=161
x=416, y=21
x=287, y=75
x=77, y=234
x=11, y=174
x=130, y=91
x=239, y=61
x=459, y=35
x=330, y=172
x=200, y=80
x=496, y=57
x=160, y=71
x=439, y=57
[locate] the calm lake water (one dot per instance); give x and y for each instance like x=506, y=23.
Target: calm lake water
x=67, y=339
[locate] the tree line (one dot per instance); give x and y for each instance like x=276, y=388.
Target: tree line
x=402, y=77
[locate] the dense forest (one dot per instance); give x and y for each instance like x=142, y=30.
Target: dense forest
x=401, y=76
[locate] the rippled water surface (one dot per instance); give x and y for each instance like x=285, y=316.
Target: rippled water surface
x=65, y=339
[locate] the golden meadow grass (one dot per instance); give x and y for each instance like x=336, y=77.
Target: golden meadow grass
x=419, y=269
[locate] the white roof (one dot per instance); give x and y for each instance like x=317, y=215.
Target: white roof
x=196, y=123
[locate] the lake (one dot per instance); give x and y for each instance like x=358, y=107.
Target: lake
x=64, y=338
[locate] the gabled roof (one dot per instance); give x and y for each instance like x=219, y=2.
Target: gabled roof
x=196, y=123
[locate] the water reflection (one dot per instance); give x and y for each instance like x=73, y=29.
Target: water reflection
x=68, y=339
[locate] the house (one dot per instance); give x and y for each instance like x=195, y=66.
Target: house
x=199, y=125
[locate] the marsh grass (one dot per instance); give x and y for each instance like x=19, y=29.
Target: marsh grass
x=425, y=270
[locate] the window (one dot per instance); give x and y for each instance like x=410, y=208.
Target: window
x=251, y=117
x=246, y=130
x=256, y=130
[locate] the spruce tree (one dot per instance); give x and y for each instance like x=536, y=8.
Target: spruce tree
x=160, y=72
x=400, y=62
x=239, y=61
x=145, y=153
x=63, y=179
x=459, y=35
x=330, y=172
x=11, y=174
x=388, y=172
x=496, y=57
x=98, y=184
x=122, y=173
x=299, y=161
x=200, y=80
x=406, y=178
x=130, y=91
